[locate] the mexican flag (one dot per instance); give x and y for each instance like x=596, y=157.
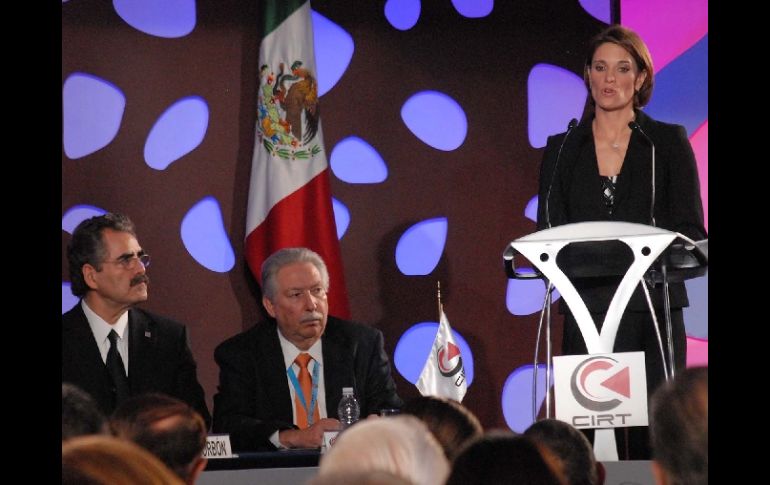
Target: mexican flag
x=290, y=200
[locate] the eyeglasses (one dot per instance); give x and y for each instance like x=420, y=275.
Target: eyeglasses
x=127, y=260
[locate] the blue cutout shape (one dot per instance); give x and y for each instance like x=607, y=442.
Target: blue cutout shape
x=92, y=111
x=355, y=161
x=474, y=8
x=334, y=49
x=403, y=14
x=177, y=132
x=598, y=9
x=68, y=300
x=341, y=217
x=205, y=238
x=77, y=214
x=554, y=96
x=525, y=297
x=414, y=347
x=419, y=249
x=167, y=18
x=436, y=119
x=517, y=396
x=530, y=212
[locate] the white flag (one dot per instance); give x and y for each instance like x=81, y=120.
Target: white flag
x=443, y=374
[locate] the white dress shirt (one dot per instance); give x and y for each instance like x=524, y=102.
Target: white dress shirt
x=101, y=329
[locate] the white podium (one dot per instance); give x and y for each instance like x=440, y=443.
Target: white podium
x=659, y=257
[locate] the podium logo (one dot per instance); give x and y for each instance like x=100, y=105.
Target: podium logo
x=446, y=355
x=600, y=383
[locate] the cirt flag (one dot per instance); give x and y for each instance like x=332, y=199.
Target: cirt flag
x=443, y=374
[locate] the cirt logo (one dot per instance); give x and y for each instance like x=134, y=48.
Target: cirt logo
x=445, y=355
x=597, y=382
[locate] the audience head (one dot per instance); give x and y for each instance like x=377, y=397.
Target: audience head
x=679, y=429
x=295, y=282
x=503, y=458
x=400, y=445
x=80, y=415
x=450, y=422
x=571, y=450
x=168, y=428
x=106, y=460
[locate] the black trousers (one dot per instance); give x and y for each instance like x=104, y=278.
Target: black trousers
x=635, y=333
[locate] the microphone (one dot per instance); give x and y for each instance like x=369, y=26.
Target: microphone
x=635, y=126
x=572, y=124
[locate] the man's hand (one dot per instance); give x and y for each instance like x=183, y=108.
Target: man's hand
x=311, y=437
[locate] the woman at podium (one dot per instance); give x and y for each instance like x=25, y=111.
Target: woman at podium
x=601, y=169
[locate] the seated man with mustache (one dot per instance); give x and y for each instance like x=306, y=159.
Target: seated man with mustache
x=281, y=381
x=110, y=349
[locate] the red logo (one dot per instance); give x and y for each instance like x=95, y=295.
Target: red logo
x=445, y=355
x=598, y=381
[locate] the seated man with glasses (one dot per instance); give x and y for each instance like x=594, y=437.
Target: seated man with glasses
x=109, y=348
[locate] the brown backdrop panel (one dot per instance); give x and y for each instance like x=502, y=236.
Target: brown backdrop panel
x=482, y=187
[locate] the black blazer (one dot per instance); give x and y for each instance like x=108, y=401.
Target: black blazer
x=159, y=359
x=575, y=194
x=254, y=401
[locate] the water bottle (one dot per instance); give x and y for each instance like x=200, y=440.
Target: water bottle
x=348, y=409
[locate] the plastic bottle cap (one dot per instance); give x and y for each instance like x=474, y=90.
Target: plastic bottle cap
x=347, y=390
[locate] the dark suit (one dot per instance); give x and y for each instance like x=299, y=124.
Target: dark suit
x=254, y=399
x=575, y=194
x=159, y=360
x=576, y=197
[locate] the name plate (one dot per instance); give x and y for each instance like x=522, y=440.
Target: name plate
x=218, y=446
x=329, y=438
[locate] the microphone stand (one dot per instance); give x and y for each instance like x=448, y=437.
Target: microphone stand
x=546, y=311
x=666, y=298
x=572, y=124
x=669, y=330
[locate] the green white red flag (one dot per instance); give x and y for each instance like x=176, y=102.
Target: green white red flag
x=290, y=200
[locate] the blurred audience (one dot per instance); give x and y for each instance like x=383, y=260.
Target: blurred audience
x=570, y=450
x=106, y=460
x=679, y=429
x=80, y=415
x=168, y=428
x=377, y=477
x=502, y=458
x=450, y=422
x=400, y=445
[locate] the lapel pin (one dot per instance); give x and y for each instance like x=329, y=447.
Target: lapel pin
x=147, y=334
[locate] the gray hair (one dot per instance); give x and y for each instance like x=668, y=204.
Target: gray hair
x=402, y=445
x=287, y=256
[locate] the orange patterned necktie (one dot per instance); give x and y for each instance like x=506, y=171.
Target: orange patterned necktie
x=306, y=384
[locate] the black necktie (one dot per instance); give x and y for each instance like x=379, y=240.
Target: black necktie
x=117, y=370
